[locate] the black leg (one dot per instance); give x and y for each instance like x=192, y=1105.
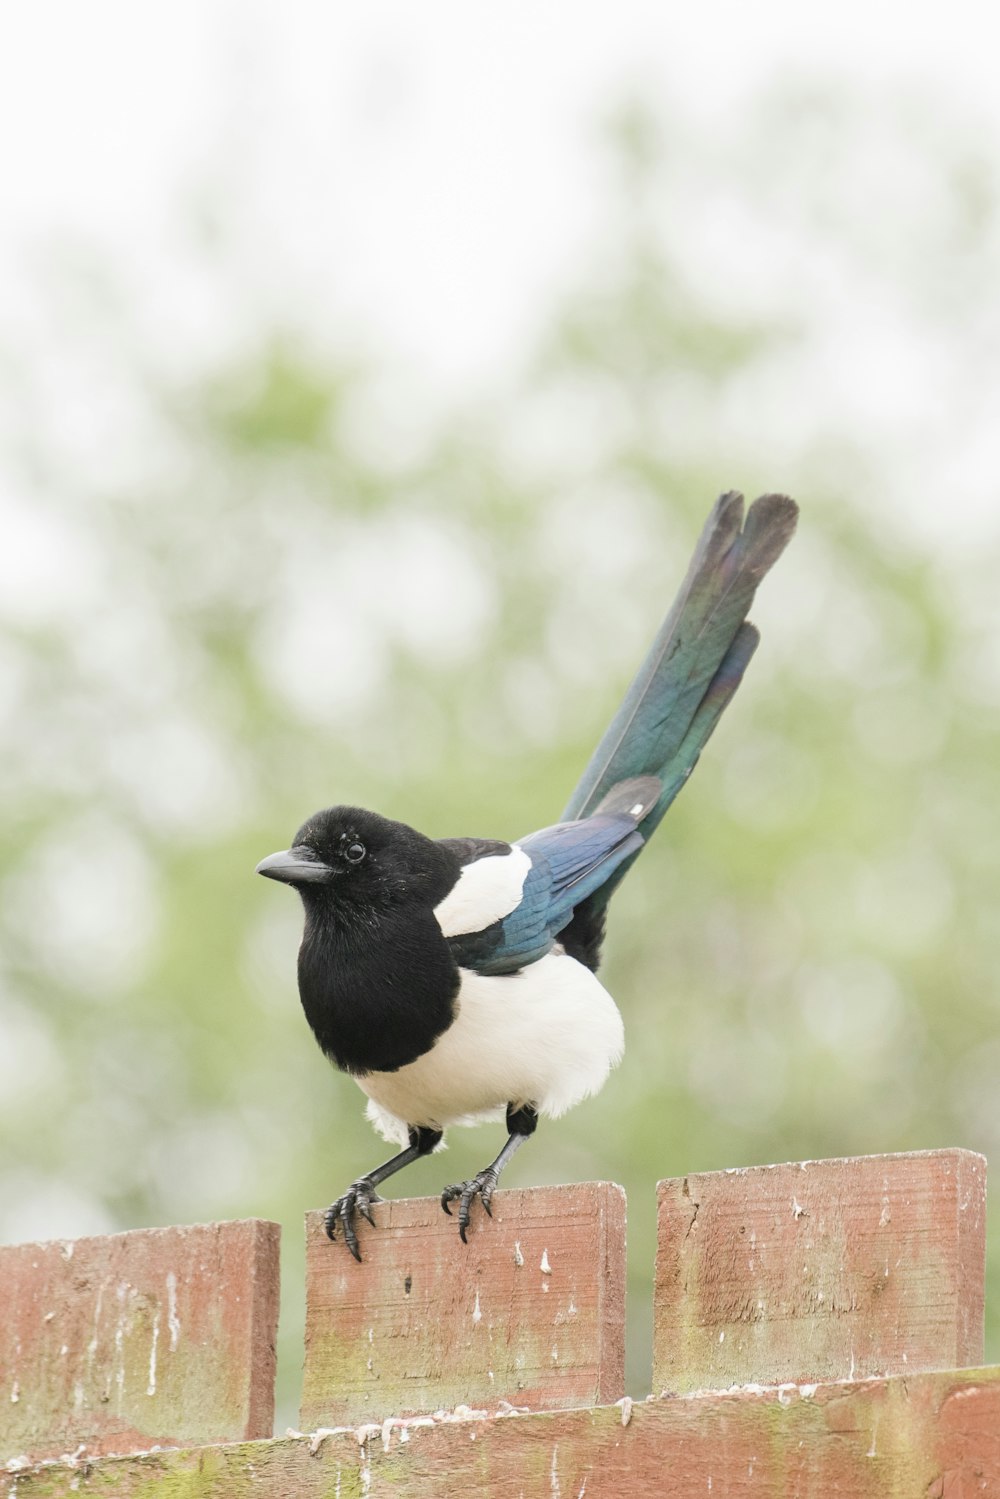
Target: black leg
x=361, y=1194
x=521, y=1124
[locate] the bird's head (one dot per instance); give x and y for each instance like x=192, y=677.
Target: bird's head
x=347, y=855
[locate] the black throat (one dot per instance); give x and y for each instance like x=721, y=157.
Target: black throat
x=378, y=986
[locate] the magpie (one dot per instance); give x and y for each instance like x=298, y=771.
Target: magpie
x=455, y=978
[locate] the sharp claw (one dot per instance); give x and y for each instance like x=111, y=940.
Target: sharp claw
x=465, y=1210
x=481, y=1186
x=357, y=1199
x=346, y=1215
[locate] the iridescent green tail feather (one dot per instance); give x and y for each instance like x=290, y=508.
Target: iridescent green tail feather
x=695, y=663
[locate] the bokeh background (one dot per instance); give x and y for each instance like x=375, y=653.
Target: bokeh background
x=365, y=380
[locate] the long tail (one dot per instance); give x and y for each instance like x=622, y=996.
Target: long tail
x=694, y=665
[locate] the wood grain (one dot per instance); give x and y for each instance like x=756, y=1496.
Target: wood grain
x=531, y=1310
x=820, y=1270
x=929, y=1436
x=160, y=1335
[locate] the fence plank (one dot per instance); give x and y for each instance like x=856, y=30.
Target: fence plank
x=155, y=1336
x=930, y=1435
x=531, y=1310
x=820, y=1270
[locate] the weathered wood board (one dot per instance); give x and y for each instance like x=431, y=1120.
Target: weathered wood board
x=159, y=1335
x=531, y=1310
x=820, y=1270
x=927, y=1436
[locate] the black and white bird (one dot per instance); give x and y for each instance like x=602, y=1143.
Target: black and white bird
x=455, y=978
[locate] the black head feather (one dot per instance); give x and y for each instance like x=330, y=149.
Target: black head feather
x=348, y=857
x=376, y=976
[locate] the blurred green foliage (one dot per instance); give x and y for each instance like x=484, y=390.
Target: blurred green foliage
x=299, y=592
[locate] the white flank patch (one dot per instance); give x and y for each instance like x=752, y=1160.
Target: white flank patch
x=484, y=892
x=548, y=1035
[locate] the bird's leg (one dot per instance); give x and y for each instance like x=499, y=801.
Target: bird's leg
x=521, y=1124
x=361, y=1194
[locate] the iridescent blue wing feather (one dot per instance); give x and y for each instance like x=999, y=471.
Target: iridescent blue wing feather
x=653, y=743
x=568, y=863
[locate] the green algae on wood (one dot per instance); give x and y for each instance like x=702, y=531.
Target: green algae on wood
x=127, y=1340
x=820, y=1270
x=929, y=1434
x=531, y=1310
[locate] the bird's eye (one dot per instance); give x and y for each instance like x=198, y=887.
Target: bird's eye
x=354, y=853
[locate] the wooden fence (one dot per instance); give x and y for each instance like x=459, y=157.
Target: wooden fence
x=816, y=1332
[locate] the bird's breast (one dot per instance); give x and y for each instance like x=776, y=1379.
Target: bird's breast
x=547, y=1035
x=377, y=994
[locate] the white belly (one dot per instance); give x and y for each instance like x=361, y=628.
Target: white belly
x=548, y=1035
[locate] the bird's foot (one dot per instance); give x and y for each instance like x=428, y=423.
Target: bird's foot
x=357, y=1199
x=482, y=1185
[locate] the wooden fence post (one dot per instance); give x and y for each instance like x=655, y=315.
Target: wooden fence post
x=531, y=1311
x=820, y=1270
x=769, y=1274
x=163, y=1335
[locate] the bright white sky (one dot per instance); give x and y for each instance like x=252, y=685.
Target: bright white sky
x=421, y=176
x=468, y=127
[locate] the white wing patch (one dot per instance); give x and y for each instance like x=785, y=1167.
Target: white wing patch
x=485, y=891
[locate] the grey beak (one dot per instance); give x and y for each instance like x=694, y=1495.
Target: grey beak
x=295, y=866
